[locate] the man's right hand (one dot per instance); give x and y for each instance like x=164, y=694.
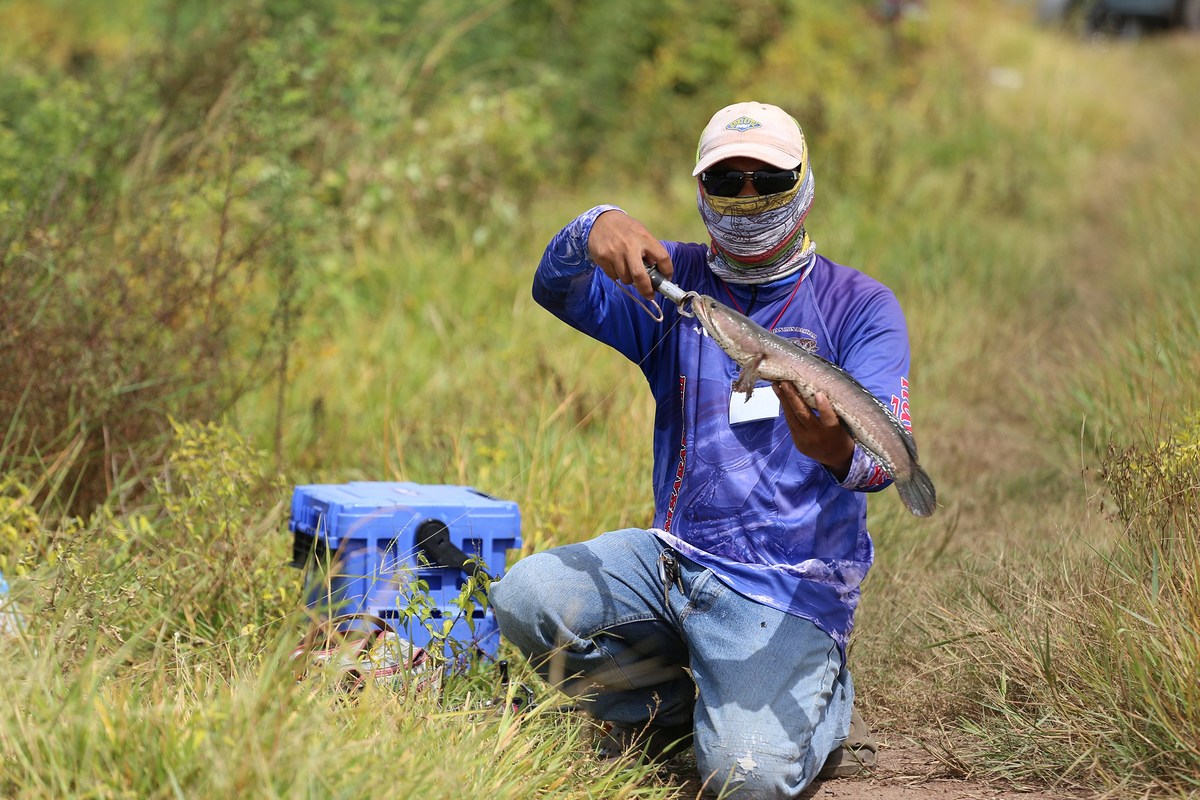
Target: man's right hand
x=623, y=247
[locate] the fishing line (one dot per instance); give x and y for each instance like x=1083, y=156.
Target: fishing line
x=402, y=559
x=409, y=555
x=657, y=315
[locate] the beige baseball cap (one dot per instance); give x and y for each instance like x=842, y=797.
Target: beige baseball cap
x=752, y=130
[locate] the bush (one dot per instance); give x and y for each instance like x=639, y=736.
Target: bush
x=149, y=257
x=172, y=212
x=201, y=563
x=1087, y=675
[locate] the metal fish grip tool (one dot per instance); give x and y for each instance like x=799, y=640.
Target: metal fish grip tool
x=682, y=299
x=675, y=294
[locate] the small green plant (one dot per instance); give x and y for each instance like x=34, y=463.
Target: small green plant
x=417, y=616
x=1156, y=492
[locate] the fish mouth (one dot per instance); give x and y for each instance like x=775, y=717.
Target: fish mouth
x=702, y=307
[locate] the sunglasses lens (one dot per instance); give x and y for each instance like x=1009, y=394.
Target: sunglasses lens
x=774, y=182
x=730, y=183
x=722, y=184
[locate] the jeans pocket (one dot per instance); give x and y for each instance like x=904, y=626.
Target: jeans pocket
x=703, y=594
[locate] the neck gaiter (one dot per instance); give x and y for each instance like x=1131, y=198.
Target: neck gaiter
x=759, y=239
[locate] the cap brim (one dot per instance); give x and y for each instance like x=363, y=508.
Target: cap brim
x=775, y=156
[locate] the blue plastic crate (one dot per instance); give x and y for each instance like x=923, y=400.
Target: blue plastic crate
x=360, y=546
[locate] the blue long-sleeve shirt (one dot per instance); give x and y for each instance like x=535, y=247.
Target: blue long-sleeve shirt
x=739, y=499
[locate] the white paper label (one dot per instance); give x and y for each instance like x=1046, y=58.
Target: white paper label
x=763, y=403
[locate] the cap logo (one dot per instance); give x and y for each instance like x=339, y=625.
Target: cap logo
x=743, y=124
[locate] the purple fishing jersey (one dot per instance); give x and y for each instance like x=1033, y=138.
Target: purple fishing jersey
x=737, y=497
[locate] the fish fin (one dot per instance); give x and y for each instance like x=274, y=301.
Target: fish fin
x=910, y=443
x=749, y=376
x=917, y=492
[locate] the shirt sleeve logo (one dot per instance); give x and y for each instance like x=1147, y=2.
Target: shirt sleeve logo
x=900, y=406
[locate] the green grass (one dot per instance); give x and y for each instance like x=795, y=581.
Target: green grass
x=1042, y=626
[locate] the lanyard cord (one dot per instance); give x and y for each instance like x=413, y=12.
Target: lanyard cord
x=787, y=303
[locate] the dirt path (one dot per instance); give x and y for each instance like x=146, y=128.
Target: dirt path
x=907, y=771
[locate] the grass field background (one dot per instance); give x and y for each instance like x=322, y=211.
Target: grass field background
x=249, y=246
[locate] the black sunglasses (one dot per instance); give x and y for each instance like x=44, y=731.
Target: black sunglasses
x=729, y=182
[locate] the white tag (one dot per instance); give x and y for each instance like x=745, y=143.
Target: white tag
x=763, y=403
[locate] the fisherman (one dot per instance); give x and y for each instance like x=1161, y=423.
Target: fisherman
x=725, y=624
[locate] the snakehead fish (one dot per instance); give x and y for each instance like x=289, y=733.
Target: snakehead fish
x=762, y=354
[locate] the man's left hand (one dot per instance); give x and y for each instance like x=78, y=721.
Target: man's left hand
x=817, y=432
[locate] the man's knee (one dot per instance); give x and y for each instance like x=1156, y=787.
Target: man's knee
x=536, y=601
x=515, y=598
x=756, y=773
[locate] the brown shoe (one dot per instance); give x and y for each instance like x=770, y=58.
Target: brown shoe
x=655, y=742
x=856, y=755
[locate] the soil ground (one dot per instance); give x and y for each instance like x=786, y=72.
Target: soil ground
x=909, y=772
x=906, y=771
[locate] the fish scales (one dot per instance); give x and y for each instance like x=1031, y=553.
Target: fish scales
x=763, y=354
x=811, y=375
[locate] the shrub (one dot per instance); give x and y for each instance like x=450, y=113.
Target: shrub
x=200, y=563
x=1087, y=674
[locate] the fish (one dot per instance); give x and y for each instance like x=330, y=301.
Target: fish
x=766, y=355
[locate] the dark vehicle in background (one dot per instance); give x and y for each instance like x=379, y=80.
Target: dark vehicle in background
x=1123, y=17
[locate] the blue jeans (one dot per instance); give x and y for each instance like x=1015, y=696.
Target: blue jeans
x=610, y=623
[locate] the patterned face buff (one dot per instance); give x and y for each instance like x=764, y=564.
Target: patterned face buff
x=761, y=238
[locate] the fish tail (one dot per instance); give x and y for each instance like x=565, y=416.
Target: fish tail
x=917, y=492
